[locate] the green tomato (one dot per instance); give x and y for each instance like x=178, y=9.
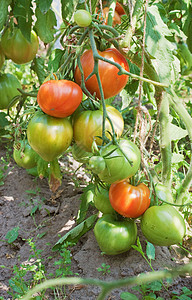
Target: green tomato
x=17, y=48
x=9, y=85
x=113, y=236
x=83, y=18
x=163, y=225
x=24, y=155
x=96, y=164
x=49, y=136
x=101, y=200
x=117, y=166
x=79, y=154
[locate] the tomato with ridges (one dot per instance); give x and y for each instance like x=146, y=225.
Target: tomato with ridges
x=101, y=200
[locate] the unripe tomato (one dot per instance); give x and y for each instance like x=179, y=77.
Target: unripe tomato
x=87, y=126
x=163, y=225
x=101, y=200
x=24, y=155
x=8, y=89
x=49, y=136
x=128, y=200
x=59, y=98
x=2, y=57
x=83, y=18
x=96, y=164
x=17, y=48
x=117, y=166
x=111, y=82
x=113, y=236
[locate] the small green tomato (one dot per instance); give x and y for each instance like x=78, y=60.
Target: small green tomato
x=83, y=18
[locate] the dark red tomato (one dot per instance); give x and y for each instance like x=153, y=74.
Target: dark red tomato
x=9, y=85
x=17, y=48
x=59, y=98
x=87, y=126
x=49, y=136
x=119, y=9
x=112, y=83
x=128, y=200
x=24, y=155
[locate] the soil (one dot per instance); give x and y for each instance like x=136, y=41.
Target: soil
x=44, y=217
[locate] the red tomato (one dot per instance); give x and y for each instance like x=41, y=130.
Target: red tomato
x=119, y=9
x=112, y=83
x=116, y=17
x=128, y=200
x=59, y=98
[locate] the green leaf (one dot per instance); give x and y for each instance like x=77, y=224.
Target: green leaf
x=23, y=12
x=12, y=235
x=126, y=99
x=177, y=133
x=45, y=25
x=68, y=7
x=155, y=286
x=4, y=12
x=157, y=45
x=86, y=198
x=55, y=60
x=39, y=68
x=150, y=251
x=128, y=296
x=3, y=121
x=177, y=158
x=44, y=5
x=75, y=233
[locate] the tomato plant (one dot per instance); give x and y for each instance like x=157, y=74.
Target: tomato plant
x=115, y=236
x=101, y=200
x=112, y=83
x=83, y=18
x=9, y=85
x=87, y=126
x=17, y=48
x=163, y=225
x=59, y=98
x=119, y=166
x=128, y=200
x=24, y=155
x=49, y=136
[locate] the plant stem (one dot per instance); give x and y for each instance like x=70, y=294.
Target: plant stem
x=107, y=286
x=165, y=142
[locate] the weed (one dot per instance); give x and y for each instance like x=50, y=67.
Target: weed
x=104, y=269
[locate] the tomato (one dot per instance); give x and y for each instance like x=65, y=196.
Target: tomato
x=114, y=236
x=49, y=136
x=163, y=225
x=119, y=9
x=111, y=82
x=96, y=164
x=59, y=98
x=17, y=48
x=101, y=200
x=24, y=155
x=87, y=126
x=117, y=166
x=8, y=89
x=128, y=200
x=79, y=154
x=83, y=18
x=2, y=57
x=116, y=17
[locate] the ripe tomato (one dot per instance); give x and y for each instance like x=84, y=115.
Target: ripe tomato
x=17, y=48
x=79, y=154
x=111, y=82
x=2, y=57
x=116, y=17
x=119, y=9
x=87, y=126
x=128, y=200
x=113, y=236
x=117, y=166
x=8, y=89
x=24, y=155
x=82, y=17
x=59, y=98
x=163, y=225
x=101, y=200
x=49, y=136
